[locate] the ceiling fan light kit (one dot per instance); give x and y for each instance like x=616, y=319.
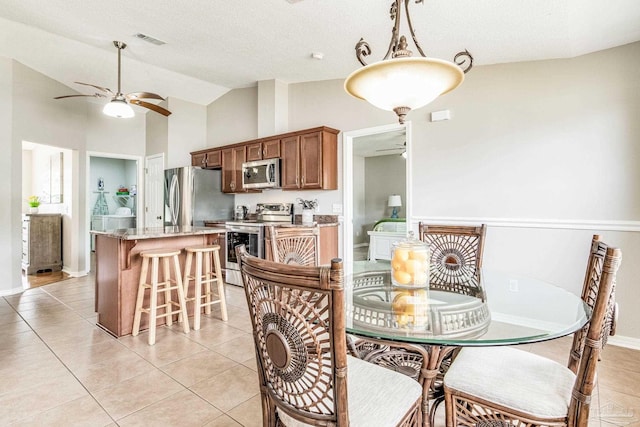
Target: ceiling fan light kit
x=401, y=82
x=119, y=106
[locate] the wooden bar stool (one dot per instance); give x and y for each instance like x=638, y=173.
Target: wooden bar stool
x=166, y=286
x=204, y=277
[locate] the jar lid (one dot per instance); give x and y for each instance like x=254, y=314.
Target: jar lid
x=411, y=243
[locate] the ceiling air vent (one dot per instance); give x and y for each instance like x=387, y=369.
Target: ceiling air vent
x=150, y=39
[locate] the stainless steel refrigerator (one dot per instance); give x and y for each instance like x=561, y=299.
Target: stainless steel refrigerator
x=193, y=195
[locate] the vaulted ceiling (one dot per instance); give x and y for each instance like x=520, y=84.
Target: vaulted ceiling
x=213, y=46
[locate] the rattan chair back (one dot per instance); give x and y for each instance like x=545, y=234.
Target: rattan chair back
x=294, y=245
x=298, y=317
x=467, y=410
x=592, y=280
x=456, y=252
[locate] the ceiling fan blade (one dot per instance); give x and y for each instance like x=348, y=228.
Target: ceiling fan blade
x=104, y=89
x=143, y=95
x=95, y=95
x=150, y=106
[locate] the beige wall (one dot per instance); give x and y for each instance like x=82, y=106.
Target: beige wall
x=544, y=152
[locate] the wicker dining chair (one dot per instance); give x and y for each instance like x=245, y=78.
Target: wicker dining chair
x=525, y=389
x=306, y=378
x=293, y=245
x=455, y=250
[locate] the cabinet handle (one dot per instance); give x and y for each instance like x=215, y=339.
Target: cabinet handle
x=264, y=152
x=232, y=185
x=204, y=161
x=303, y=180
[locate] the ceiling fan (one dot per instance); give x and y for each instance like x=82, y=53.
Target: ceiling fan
x=399, y=147
x=119, y=104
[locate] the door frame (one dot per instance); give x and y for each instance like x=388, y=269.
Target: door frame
x=146, y=162
x=139, y=185
x=347, y=178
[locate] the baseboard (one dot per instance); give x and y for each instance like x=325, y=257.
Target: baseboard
x=12, y=291
x=627, y=342
x=75, y=273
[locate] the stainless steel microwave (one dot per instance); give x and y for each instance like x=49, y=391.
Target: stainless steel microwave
x=261, y=174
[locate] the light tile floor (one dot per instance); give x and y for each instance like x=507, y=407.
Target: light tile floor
x=58, y=369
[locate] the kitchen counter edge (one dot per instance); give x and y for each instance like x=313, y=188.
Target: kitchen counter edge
x=159, y=232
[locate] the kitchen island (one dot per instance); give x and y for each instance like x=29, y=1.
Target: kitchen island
x=118, y=265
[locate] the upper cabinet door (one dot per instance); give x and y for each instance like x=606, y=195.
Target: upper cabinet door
x=311, y=160
x=290, y=163
x=227, y=171
x=254, y=152
x=271, y=149
x=199, y=159
x=214, y=159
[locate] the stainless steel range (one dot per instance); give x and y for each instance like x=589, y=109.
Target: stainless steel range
x=251, y=234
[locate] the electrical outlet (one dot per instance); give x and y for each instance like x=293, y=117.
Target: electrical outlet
x=337, y=208
x=513, y=285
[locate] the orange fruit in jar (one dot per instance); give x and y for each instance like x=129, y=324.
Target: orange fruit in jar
x=401, y=254
x=413, y=266
x=397, y=264
x=401, y=277
x=418, y=255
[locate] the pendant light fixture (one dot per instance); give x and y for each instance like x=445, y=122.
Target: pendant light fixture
x=401, y=82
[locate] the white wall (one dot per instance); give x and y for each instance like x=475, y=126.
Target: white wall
x=384, y=175
x=544, y=152
x=115, y=172
x=187, y=131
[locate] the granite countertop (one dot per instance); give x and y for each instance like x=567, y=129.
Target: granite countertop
x=158, y=232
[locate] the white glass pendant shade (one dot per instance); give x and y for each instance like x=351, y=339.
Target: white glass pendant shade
x=118, y=108
x=404, y=82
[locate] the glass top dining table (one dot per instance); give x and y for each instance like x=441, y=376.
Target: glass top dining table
x=484, y=308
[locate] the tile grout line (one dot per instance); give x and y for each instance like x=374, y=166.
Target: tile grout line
x=62, y=363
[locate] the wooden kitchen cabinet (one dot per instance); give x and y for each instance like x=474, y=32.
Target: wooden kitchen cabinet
x=310, y=160
x=271, y=149
x=254, y=152
x=232, y=160
x=210, y=159
x=328, y=243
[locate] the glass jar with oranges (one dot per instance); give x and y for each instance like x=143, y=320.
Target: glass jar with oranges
x=410, y=263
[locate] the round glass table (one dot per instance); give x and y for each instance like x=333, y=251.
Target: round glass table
x=487, y=308
x=416, y=330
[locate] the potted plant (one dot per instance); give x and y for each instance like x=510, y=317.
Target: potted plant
x=34, y=202
x=308, y=206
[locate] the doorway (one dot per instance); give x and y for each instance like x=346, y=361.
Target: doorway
x=113, y=194
x=46, y=189
x=366, y=201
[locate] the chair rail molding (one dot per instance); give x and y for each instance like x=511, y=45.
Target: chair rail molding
x=567, y=224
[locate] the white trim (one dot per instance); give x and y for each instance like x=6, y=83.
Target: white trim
x=568, y=224
x=360, y=245
x=627, y=342
x=75, y=273
x=12, y=291
x=347, y=180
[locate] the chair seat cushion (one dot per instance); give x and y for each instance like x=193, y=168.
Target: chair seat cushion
x=513, y=378
x=378, y=397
